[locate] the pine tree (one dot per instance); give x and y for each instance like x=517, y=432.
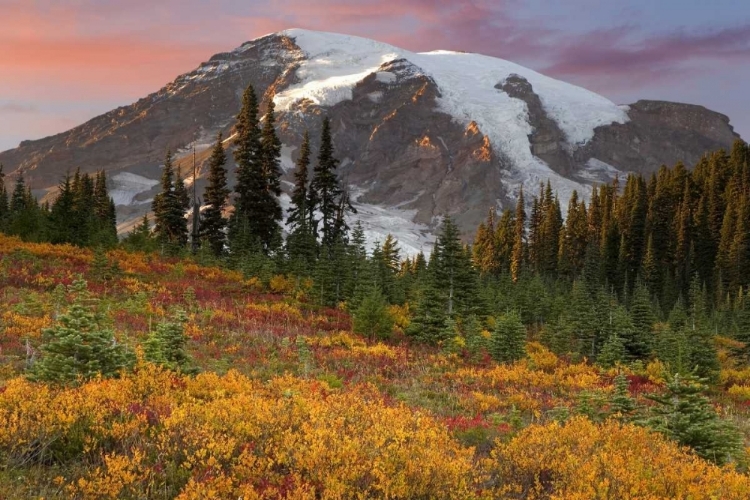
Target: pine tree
x=62, y=217
x=613, y=351
x=685, y=415
x=519, y=246
x=298, y=212
x=642, y=314
x=372, y=318
x=213, y=223
x=508, y=341
x=166, y=346
x=429, y=318
x=325, y=194
x=250, y=186
x=79, y=347
x=18, y=199
x=621, y=405
x=169, y=209
x=140, y=238
x=270, y=154
x=484, y=248
x=453, y=271
x=4, y=201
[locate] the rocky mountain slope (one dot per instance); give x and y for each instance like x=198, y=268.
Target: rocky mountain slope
x=419, y=135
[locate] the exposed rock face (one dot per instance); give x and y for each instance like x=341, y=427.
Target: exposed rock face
x=408, y=152
x=659, y=133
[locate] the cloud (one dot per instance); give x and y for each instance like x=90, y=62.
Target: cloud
x=18, y=108
x=615, y=55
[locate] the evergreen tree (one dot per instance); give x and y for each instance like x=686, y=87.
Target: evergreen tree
x=250, y=186
x=621, y=405
x=613, y=351
x=519, y=247
x=430, y=315
x=325, y=195
x=508, y=342
x=642, y=314
x=685, y=415
x=213, y=223
x=453, y=271
x=62, y=217
x=170, y=227
x=372, y=318
x=80, y=346
x=166, y=346
x=4, y=201
x=270, y=154
x=302, y=241
x=140, y=238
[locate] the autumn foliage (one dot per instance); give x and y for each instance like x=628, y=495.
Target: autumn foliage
x=289, y=403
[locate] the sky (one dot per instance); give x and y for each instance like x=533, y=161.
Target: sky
x=64, y=62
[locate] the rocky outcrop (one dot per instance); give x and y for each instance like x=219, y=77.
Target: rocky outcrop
x=659, y=133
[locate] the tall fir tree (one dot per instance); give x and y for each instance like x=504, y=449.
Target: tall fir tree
x=519, y=245
x=270, y=153
x=170, y=228
x=301, y=242
x=325, y=192
x=213, y=223
x=250, y=186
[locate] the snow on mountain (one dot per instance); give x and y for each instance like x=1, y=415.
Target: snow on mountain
x=125, y=186
x=335, y=63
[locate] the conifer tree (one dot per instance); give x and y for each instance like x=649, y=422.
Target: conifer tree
x=4, y=201
x=508, y=341
x=325, y=195
x=429, y=318
x=18, y=199
x=621, y=405
x=166, y=345
x=213, y=223
x=298, y=212
x=170, y=227
x=372, y=318
x=519, y=246
x=80, y=346
x=453, y=271
x=270, y=154
x=62, y=217
x=140, y=238
x=250, y=186
x=685, y=415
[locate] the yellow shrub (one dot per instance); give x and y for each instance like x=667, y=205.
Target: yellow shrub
x=580, y=460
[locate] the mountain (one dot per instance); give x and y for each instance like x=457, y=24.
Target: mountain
x=419, y=135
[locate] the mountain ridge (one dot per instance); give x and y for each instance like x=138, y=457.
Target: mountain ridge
x=456, y=143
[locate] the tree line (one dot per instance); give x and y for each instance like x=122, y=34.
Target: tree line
x=83, y=214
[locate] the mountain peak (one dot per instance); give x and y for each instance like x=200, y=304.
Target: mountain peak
x=419, y=135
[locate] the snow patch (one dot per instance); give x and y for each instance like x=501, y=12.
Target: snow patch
x=599, y=171
x=287, y=163
x=375, y=97
x=125, y=186
x=378, y=222
x=385, y=77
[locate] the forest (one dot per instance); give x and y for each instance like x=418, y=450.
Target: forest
x=562, y=354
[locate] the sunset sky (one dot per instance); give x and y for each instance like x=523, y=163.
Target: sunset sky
x=63, y=62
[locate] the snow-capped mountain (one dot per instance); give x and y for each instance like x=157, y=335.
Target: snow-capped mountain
x=419, y=135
